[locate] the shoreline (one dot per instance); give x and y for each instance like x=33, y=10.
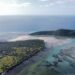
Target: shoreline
x=29, y=61
x=37, y=56
x=29, y=57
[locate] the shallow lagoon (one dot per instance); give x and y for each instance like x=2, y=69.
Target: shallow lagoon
x=64, y=67
x=42, y=68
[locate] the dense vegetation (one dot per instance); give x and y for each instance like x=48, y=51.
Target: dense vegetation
x=60, y=32
x=13, y=53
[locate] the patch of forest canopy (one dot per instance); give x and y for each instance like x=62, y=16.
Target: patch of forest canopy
x=59, y=32
x=13, y=53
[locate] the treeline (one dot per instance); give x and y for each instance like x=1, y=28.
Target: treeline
x=59, y=32
x=13, y=53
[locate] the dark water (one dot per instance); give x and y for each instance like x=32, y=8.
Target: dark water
x=35, y=23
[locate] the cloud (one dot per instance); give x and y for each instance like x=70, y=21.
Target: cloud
x=34, y=6
x=22, y=4
x=57, y=2
x=54, y=3
x=5, y=6
x=14, y=3
x=25, y=3
x=44, y=0
x=12, y=7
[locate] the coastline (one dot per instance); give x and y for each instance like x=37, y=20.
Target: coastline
x=50, y=42
x=35, y=58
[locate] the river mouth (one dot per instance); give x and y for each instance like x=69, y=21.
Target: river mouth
x=45, y=62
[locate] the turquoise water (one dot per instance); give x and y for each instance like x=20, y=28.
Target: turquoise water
x=64, y=67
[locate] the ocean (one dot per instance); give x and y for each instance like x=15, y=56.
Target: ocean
x=35, y=23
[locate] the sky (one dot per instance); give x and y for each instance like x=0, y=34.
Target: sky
x=37, y=7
